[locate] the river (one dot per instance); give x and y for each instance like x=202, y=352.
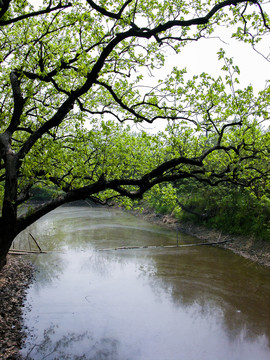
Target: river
x=185, y=303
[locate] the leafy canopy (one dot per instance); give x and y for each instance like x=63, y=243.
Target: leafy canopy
x=72, y=76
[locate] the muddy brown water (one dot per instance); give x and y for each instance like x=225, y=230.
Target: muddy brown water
x=193, y=303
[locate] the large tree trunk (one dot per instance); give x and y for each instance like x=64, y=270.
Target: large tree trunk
x=5, y=243
x=9, y=210
x=8, y=229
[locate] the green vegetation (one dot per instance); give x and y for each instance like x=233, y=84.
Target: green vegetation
x=40, y=193
x=73, y=73
x=231, y=209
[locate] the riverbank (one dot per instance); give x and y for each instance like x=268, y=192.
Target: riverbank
x=15, y=278
x=248, y=247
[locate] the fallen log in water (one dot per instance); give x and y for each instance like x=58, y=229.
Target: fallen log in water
x=30, y=251
x=164, y=246
x=25, y=252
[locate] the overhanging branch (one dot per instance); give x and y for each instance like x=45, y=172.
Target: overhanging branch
x=31, y=14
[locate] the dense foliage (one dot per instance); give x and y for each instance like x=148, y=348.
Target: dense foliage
x=234, y=210
x=68, y=69
x=238, y=199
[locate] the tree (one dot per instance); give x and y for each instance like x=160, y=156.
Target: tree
x=70, y=64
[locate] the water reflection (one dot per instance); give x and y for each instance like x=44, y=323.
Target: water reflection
x=104, y=349
x=187, y=303
x=234, y=286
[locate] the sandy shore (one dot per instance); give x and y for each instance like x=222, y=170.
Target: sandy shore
x=15, y=278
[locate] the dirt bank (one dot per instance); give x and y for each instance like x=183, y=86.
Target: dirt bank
x=248, y=247
x=15, y=278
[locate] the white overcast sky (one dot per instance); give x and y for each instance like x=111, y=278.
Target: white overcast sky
x=202, y=56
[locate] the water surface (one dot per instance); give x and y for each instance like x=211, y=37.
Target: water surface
x=195, y=303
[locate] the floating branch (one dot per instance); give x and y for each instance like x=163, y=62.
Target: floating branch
x=164, y=246
x=25, y=252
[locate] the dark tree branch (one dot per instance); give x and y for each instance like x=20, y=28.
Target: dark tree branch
x=110, y=14
x=73, y=195
x=221, y=133
x=120, y=102
x=31, y=14
x=131, y=108
x=196, y=21
x=263, y=15
x=135, y=188
x=4, y=7
x=19, y=102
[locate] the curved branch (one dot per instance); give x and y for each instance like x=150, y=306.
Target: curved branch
x=31, y=14
x=19, y=102
x=120, y=102
x=197, y=21
x=4, y=7
x=224, y=128
x=73, y=195
x=263, y=15
x=107, y=13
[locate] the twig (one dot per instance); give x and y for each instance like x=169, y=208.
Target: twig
x=36, y=242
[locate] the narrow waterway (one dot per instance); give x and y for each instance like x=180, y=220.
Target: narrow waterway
x=193, y=303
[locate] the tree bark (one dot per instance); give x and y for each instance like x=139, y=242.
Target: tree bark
x=9, y=211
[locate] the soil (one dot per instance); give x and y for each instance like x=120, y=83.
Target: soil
x=15, y=277
x=248, y=247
